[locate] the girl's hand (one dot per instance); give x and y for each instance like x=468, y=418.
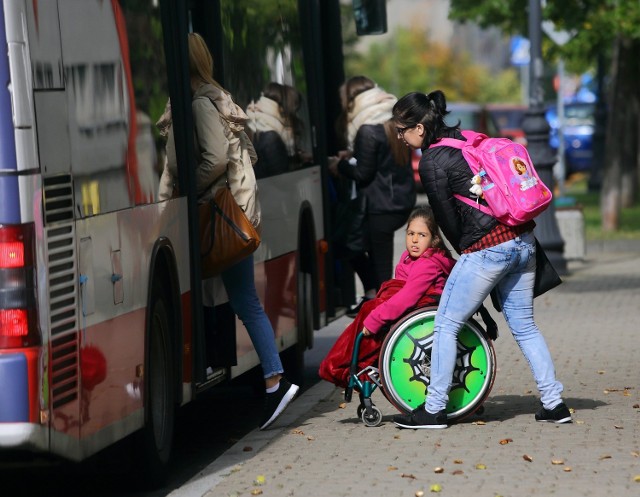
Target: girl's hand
x=366, y=332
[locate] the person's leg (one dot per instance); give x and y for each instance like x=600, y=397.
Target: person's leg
x=361, y=264
x=515, y=291
x=240, y=285
x=468, y=285
x=382, y=228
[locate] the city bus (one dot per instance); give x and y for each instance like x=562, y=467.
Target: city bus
x=102, y=333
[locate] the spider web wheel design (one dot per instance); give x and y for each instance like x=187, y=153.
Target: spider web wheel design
x=420, y=362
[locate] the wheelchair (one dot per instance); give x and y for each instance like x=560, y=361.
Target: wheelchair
x=404, y=369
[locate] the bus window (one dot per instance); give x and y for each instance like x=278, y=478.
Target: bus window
x=113, y=66
x=272, y=91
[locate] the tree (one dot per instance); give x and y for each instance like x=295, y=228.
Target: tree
x=609, y=26
x=399, y=67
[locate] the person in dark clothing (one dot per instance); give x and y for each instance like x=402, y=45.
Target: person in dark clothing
x=275, y=130
x=494, y=257
x=381, y=169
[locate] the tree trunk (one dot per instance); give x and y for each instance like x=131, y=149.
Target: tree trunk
x=620, y=169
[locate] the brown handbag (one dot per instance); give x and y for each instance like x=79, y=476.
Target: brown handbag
x=226, y=234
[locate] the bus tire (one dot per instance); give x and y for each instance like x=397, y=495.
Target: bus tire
x=156, y=438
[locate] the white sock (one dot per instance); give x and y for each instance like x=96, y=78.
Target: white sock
x=273, y=388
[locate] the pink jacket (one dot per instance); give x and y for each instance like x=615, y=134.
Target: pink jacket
x=426, y=273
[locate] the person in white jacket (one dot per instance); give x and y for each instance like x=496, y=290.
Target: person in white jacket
x=223, y=153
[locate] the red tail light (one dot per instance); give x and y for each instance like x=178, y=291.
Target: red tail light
x=18, y=321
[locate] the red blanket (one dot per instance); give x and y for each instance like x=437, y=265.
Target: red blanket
x=335, y=366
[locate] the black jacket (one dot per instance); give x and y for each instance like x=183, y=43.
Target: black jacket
x=444, y=172
x=389, y=188
x=272, y=154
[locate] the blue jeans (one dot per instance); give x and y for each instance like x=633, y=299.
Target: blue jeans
x=509, y=267
x=241, y=288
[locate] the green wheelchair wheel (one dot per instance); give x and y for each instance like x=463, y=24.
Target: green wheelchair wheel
x=405, y=365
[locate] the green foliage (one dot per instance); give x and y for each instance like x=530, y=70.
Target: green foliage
x=410, y=61
x=595, y=24
x=629, y=227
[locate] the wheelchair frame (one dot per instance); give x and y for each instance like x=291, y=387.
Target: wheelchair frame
x=403, y=370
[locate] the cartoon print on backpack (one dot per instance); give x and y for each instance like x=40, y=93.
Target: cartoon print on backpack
x=522, y=175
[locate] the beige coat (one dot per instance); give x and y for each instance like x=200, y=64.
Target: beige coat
x=223, y=152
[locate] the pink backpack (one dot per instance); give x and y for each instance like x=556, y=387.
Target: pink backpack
x=504, y=177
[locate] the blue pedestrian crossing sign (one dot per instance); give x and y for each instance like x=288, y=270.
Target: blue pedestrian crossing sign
x=520, y=51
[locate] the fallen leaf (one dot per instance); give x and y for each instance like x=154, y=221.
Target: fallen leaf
x=557, y=462
x=567, y=469
x=479, y=423
x=572, y=410
x=342, y=405
x=438, y=470
x=457, y=472
x=635, y=453
x=408, y=475
x=297, y=432
x=480, y=466
x=636, y=478
x=392, y=468
x=247, y=449
x=436, y=487
x=618, y=427
x=457, y=461
x=311, y=438
x=256, y=491
x=636, y=406
x=419, y=493
x=260, y=480
x=579, y=422
x=236, y=468
x=601, y=371
x=505, y=441
x=527, y=458
x=605, y=456
x=397, y=437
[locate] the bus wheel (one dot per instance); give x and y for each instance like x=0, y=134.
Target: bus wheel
x=156, y=437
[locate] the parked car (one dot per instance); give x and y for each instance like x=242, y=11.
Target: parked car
x=505, y=120
x=470, y=115
x=579, y=125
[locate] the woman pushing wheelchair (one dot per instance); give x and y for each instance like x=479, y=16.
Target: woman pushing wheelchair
x=494, y=259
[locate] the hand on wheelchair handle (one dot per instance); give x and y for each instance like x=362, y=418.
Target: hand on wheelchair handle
x=366, y=332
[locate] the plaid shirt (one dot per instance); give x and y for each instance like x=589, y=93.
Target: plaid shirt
x=500, y=234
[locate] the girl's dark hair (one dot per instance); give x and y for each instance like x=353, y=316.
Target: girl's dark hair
x=288, y=100
x=348, y=92
x=425, y=213
x=429, y=110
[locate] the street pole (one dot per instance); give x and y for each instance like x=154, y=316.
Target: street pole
x=536, y=129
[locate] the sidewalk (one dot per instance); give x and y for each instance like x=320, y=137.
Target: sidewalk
x=590, y=323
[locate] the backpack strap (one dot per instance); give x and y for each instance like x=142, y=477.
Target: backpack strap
x=472, y=139
x=474, y=203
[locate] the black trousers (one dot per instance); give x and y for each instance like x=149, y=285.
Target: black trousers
x=376, y=266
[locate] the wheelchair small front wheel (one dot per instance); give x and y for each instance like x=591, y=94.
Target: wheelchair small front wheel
x=372, y=419
x=405, y=365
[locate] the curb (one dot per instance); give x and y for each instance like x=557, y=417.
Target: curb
x=205, y=482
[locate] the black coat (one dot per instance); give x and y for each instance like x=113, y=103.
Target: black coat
x=444, y=172
x=389, y=188
x=272, y=154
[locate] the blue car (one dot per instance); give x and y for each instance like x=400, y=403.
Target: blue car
x=579, y=125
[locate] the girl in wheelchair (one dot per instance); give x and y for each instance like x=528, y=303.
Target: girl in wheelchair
x=420, y=276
